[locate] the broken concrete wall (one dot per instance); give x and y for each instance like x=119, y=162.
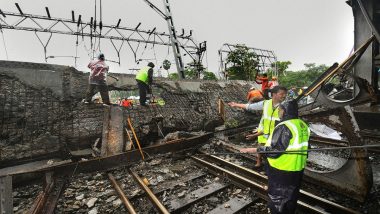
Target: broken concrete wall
x=41, y=112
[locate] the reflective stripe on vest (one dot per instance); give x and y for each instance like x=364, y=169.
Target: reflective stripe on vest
x=261, y=139
x=268, y=121
x=299, y=141
x=142, y=75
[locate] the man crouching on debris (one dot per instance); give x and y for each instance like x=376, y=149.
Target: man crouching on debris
x=286, y=165
x=97, y=79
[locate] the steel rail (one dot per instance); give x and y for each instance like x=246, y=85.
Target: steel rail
x=328, y=141
x=110, y=162
x=40, y=201
x=157, y=203
x=258, y=188
x=53, y=196
x=121, y=194
x=305, y=196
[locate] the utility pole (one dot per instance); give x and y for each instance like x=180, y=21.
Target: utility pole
x=172, y=33
x=174, y=41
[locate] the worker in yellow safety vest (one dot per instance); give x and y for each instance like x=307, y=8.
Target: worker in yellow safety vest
x=268, y=119
x=286, y=165
x=144, y=79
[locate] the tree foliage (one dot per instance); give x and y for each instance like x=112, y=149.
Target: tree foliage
x=242, y=64
x=191, y=73
x=166, y=64
x=303, y=77
x=173, y=76
x=282, y=67
x=207, y=75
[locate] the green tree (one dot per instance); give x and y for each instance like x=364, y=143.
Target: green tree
x=207, y=75
x=303, y=77
x=166, y=64
x=191, y=73
x=282, y=67
x=242, y=64
x=173, y=76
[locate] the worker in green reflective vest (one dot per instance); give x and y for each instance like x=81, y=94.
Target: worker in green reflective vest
x=144, y=79
x=285, y=169
x=268, y=119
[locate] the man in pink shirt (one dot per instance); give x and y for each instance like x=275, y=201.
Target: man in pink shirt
x=97, y=79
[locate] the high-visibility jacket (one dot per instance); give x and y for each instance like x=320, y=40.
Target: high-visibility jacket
x=142, y=74
x=267, y=122
x=299, y=141
x=254, y=94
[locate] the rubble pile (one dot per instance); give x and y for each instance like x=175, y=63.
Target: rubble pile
x=89, y=193
x=32, y=109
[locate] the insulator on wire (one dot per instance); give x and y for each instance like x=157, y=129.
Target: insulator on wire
x=72, y=16
x=19, y=9
x=79, y=20
x=137, y=27
x=118, y=23
x=100, y=25
x=152, y=31
x=47, y=12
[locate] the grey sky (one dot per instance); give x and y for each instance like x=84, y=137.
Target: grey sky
x=301, y=31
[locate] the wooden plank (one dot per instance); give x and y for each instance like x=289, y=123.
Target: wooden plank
x=6, y=196
x=178, y=204
x=232, y=206
x=113, y=131
x=106, y=119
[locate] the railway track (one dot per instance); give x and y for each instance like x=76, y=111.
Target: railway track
x=308, y=202
x=196, y=184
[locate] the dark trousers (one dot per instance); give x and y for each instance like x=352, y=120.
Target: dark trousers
x=283, y=190
x=103, y=89
x=266, y=94
x=143, y=90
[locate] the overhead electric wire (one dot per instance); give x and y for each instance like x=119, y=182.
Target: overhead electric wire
x=5, y=46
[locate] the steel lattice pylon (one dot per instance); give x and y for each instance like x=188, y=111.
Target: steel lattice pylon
x=266, y=58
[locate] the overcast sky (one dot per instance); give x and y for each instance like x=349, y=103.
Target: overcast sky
x=301, y=31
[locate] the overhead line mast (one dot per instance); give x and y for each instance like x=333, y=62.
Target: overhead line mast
x=173, y=36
